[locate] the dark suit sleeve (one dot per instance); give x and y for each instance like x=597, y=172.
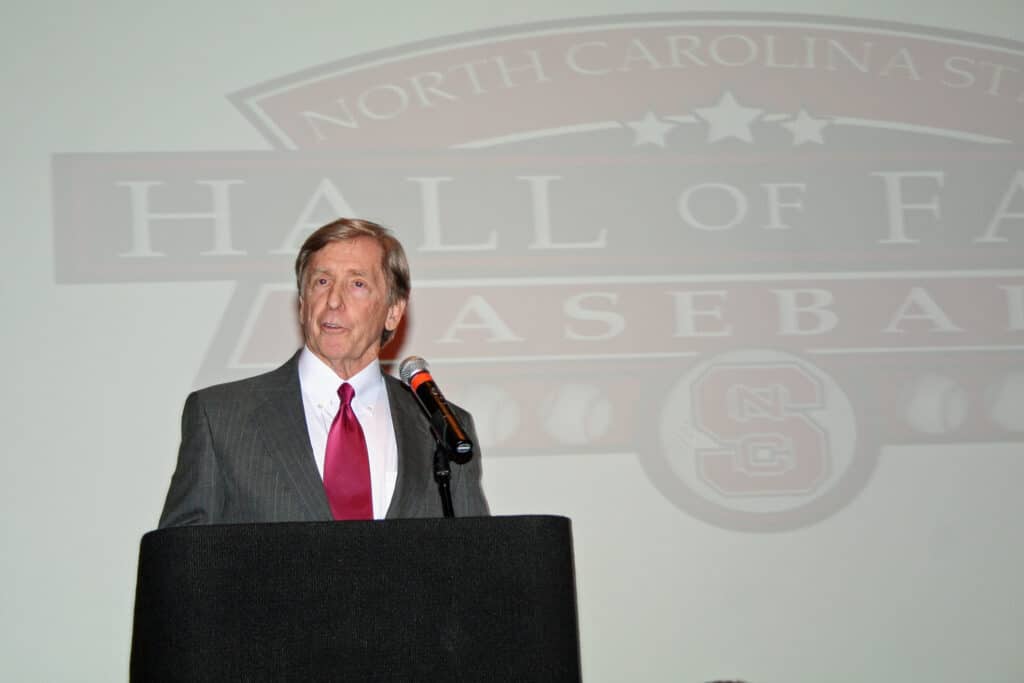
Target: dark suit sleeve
x=468, y=498
x=193, y=497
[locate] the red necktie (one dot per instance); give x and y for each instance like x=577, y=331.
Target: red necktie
x=347, y=464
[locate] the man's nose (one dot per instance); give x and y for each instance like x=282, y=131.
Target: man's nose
x=335, y=299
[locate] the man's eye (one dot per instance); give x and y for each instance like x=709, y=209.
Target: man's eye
x=321, y=281
x=359, y=284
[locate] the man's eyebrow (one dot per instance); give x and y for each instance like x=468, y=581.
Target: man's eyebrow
x=328, y=271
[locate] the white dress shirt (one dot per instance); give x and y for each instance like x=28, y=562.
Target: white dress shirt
x=320, y=402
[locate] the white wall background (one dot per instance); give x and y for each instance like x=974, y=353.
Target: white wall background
x=915, y=577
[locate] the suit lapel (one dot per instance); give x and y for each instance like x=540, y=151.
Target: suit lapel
x=282, y=423
x=415, y=457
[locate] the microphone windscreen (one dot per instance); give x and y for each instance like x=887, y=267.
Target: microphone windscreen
x=410, y=366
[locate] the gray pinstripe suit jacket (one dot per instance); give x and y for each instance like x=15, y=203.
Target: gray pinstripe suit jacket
x=245, y=456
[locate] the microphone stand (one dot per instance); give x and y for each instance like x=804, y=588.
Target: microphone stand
x=443, y=476
x=442, y=470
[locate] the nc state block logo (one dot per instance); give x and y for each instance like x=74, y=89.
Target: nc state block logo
x=751, y=249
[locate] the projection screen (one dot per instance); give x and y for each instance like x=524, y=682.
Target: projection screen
x=738, y=287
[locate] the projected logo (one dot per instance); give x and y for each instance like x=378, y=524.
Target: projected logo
x=749, y=249
x=748, y=434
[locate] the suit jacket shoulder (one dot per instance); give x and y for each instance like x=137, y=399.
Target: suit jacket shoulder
x=245, y=455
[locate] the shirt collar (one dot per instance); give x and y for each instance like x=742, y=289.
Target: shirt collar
x=320, y=382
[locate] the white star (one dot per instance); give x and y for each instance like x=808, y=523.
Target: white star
x=650, y=130
x=805, y=128
x=729, y=119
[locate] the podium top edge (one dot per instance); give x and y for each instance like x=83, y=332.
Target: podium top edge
x=542, y=519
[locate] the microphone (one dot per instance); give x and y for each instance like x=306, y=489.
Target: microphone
x=415, y=372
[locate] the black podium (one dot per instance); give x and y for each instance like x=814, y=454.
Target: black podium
x=475, y=599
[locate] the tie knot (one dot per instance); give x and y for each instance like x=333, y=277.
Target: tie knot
x=345, y=393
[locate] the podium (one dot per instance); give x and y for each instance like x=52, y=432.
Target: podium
x=472, y=599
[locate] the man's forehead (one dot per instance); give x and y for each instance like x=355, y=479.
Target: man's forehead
x=358, y=255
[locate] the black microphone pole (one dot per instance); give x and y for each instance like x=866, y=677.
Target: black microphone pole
x=443, y=477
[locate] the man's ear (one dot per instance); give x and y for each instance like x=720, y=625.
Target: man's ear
x=395, y=313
